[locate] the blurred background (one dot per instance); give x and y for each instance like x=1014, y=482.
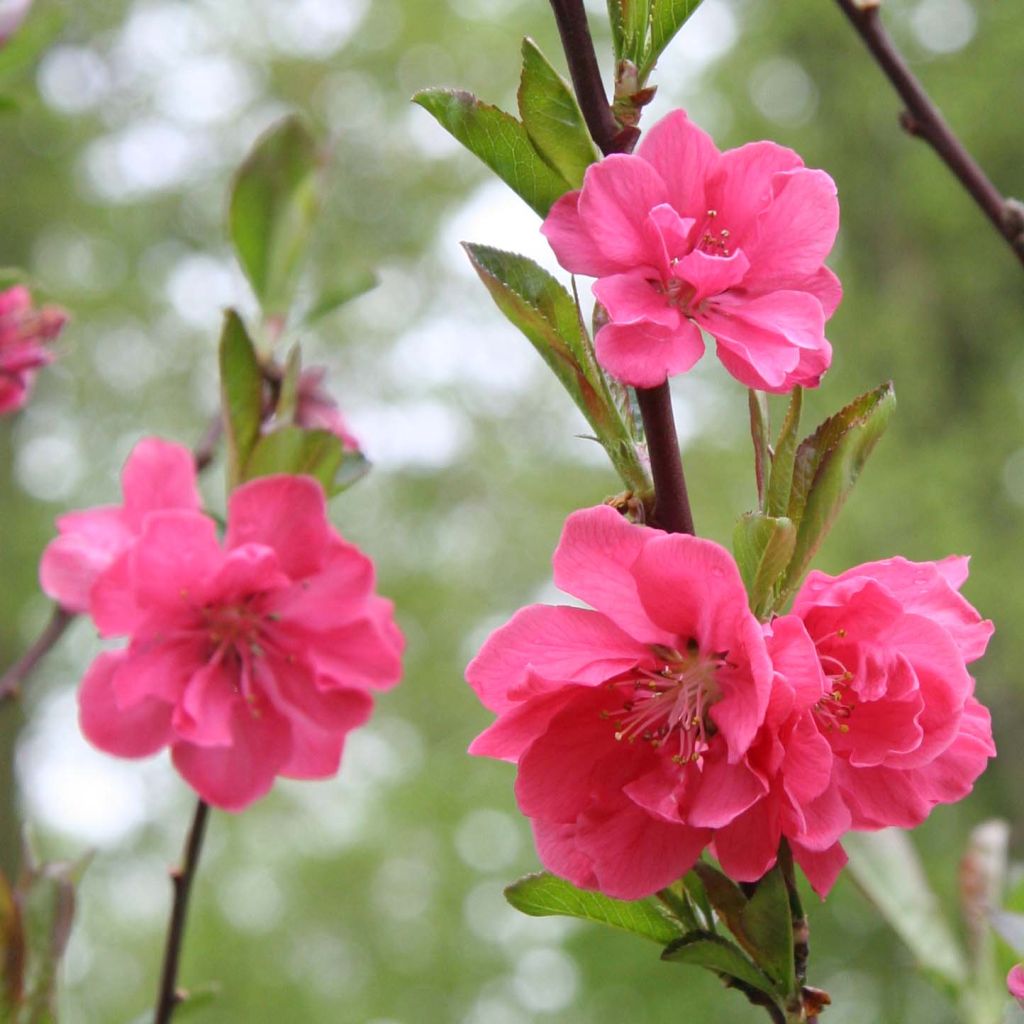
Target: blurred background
x=376, y=898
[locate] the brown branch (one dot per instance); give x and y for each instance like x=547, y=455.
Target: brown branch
x=170, y=996
x=671, y=501
x=924, y=119
x=13, y=679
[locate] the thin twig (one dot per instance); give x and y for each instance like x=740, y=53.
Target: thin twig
x=12, y=679
x=60, y=618
x=671, y=501
x=924, y=119
x=169, y=995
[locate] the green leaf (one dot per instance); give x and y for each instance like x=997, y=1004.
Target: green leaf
x=344, y=290
x=780, y=482
x=723, y=894
x=12, y=948
x=886, y=866
x=825, y=469
x=288, y=390
x=763, y=546
x=615, y=21
x=667, y=18
x=702, y=949
x=759, y=427
x=315, y=453
x=630, y=20
x=275, y=200
x=552, y=117
x=544, y=895
x=549, y=317
x=30, y=39
x=500, y=141
x=241, y=388
x=768, y=927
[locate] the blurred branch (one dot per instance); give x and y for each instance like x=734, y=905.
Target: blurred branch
x=672, y=503
x=11, y=681
x=924, y=119
x=170, y=996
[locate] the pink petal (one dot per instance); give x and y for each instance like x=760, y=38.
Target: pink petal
x=159, y=669
x=316, y=753
x=286, y=513
x=233, y=777
x=558, y=642
x=645, y=354
x=520, y=725
x=206, y=712
x=724, y=793
x=669, y=235
x=634, y=297
x=795, y=657
x=244, y=572
x=826, y=819
x=1015, y=983
x=747, y=847
x=634, y=854
x=158, y=475
x=364, y=653
x=618, y=193
x=88, y=544
x=112, y=599
x=138, y=731
x=294, y=689
x=572, y=243
x=759, y=339
x=711, y=275
x=797, y=229
x=594, y=561
x=684, y=156
x=557, y=850
x=175, y=553
x=822, y=869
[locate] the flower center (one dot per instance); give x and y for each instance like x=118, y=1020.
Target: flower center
x=670, y=705
x=234, y=627
x=714, y=240
x=836, y=706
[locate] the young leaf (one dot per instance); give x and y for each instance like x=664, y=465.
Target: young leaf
x=667, y=18
x=759, y=430
x=886, y=866
x=288, y=389
x=763, y=546
x=768, y=927
x=241, y=386
x=552, y=117
x=825, y=469
x=316, y=453
x=275, y=199
x=780, y=482
x=544, y=895
x=547, y=314
x=703, y=949
x=500, y=141
x=12, y=949
x=344, y=290
x=632, y=18
x=723, y=894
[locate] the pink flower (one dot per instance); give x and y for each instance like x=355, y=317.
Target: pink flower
x=24, y=332
x=1015, y=983
x=317, y=409
x=898, y=708
x=630, y=723
x=683, y=237
x=12, y=14
x=158, y=475
x=250, y=660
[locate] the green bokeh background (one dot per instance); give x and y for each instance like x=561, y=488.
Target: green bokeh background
x=377, y=897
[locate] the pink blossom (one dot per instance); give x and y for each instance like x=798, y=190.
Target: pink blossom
x=24, y=333
x=898, y=709
x=157, y=475
x=630, y=723
x=12, y=14
x=317, y=409
x=682, y=237
x=250, y=659
x=1015, y=983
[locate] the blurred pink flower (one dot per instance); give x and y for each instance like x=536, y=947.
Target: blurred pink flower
x=24, y=333
x=1015, y=983
x=898, y=710
x=631, y=723
x=317, y=410
x=12, y=14
x=250, y=660
x=683, y=237
x=157, y=475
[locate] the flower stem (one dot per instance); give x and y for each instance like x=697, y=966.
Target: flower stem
x=10, y=682
x=671, y=501
x=170, y=996
x=924, y=119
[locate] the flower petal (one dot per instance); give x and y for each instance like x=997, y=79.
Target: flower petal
x=573, y=245
x=634, y=297
x=158, y=475
x=645, y=354
x=685, y=157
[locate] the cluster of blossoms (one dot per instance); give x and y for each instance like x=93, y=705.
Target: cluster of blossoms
x=682, y=237
x=668, y=719
x=250, y=658
x=24, y=334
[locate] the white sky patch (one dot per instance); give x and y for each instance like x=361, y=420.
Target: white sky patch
x=944, y=26
x=783, y=91
x=73, y=79
x=422, y=433
x=206, y=90
x=546, y=980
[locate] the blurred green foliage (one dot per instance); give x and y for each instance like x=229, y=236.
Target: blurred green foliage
x=377, y=897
